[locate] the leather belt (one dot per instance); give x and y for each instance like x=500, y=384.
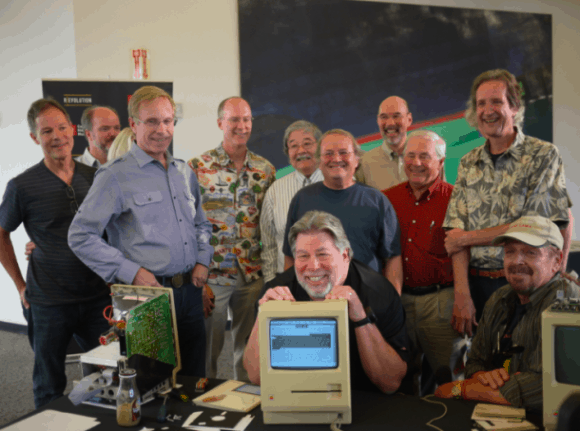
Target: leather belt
x=489, y=273
x=176, y=280
x=425, y=290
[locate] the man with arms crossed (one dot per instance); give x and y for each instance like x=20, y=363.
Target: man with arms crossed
x=300, y=141
x=510, y=176
x=149, y=204
x=365, y=213
x=325, y=269
x=382, y=167
x=233, y=183
x=61, y=297
x=504, y=365
x=428, y=294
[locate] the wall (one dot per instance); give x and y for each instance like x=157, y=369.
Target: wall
x=36, y=41
x=194, y=43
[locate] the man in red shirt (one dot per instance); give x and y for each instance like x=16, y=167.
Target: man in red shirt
x=428, y=295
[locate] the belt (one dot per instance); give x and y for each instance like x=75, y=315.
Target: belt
x=489, y=273
x=425, y=290
x=176, y=280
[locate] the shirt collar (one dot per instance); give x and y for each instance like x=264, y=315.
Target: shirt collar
x=434, y=187
x=224, y=159
x=143, y=158
x=89, y=159
x=315, y=177
x=514, y=150
x=536, y=297
x=389, y=151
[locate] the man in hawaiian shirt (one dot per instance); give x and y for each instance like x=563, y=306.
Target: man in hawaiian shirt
x=510, y=176
x=233, y=183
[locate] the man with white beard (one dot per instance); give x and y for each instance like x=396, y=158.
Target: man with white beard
x=324, y=268
x=383, y=167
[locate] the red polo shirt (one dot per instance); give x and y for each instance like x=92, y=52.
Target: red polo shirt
x=425, y=261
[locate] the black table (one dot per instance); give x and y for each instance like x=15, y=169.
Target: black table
x=371, y=411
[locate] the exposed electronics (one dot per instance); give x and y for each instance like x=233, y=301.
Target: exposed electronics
x=145, y=338
x=304, y=362
x=560, y=356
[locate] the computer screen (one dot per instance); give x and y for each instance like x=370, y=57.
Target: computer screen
x=560, y=357
x=304, y=362
x=303, y=344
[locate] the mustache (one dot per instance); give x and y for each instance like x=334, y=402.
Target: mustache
x=519, y=269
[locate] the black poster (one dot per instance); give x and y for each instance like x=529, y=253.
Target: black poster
x=76, y=96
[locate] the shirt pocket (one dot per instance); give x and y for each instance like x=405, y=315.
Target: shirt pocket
x=142, y=199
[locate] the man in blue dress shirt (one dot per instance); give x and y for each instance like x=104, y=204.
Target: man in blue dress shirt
x=149, y=204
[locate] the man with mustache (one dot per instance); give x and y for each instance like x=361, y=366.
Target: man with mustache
x=504, y=365
x=382, y=167
x=233, y=181
x=429, y=296
x=101, y=125
x=510, y=176
x=300, y=142
x=365, y=213
x=149, y=203
x=325, y=269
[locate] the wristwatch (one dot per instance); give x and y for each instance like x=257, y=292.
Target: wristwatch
x=371, y=318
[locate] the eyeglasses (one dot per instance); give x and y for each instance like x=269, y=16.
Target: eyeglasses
x=154, y=123
x=343, y=154
x=74, y=205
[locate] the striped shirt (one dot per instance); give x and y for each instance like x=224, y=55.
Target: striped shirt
x=46, y=206
x=274, y=217
x=524, y=389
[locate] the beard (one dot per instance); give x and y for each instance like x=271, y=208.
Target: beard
x=519, y=287
x=318, y=293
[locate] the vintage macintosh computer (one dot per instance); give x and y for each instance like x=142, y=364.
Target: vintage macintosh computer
x=304, y=362
x=560, y=356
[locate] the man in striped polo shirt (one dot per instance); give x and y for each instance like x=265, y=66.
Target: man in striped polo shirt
x=61, y=297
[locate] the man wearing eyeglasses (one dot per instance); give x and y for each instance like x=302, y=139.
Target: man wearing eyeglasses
x=149, y=204
x=233, y=183
x=366, y=214
x=61, y=297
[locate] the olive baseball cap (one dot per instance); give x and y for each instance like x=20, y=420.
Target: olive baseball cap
x=532, y=230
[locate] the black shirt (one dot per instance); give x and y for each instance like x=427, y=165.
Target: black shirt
x=39, y=199
x=373, y=290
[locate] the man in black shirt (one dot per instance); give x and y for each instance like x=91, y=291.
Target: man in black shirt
x=324, y=269
x=61, y=297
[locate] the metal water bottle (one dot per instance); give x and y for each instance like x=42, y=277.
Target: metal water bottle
x=128, y=399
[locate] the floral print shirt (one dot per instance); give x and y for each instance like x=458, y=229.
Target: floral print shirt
x=232, y=205
x=527, y=179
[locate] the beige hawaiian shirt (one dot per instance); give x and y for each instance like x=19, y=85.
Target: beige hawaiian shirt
x=232, y=204
x=528, y=179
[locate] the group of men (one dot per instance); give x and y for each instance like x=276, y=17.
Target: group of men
x=382, y=229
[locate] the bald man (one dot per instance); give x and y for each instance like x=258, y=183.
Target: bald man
x=101, y=125
x=383, y=167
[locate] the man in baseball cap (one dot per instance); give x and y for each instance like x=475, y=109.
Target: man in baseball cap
x=504, y=365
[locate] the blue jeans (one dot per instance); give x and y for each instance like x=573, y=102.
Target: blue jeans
x=190, y=329
x=50, y=329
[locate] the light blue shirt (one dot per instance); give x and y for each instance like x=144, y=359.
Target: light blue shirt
x=152, y=216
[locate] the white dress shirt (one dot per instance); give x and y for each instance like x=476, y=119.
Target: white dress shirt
x=274, y=216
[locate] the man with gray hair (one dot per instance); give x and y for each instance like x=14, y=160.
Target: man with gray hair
x=510, y=176
x=504, y=365
x=430, y=300
x=149, y=203
x=382, y=167
x=300, y=141
x=325, y=269
x=365, y=213
x=101, y=126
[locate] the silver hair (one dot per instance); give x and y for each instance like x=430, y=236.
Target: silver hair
x=306, y=126
x=358, y=151
x=316, y=221
x=513, y=92
x=440, y=146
